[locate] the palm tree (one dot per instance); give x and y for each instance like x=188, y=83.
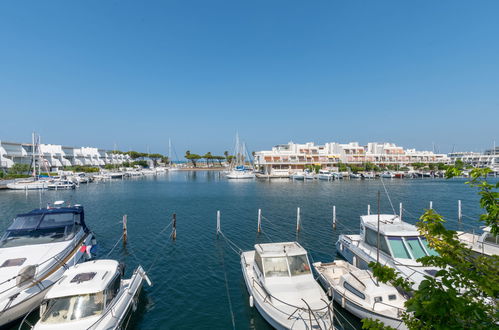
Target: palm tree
x=208, y=156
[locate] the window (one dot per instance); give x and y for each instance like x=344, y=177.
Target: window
x=372, y=239
x=430, y=251
x=415, y=247
x=398, y=247
x=378, y=299
x=298, y=265
x=73, y=308
x=83, y=277
x=13, y=262
x=258, y=262
x=25, y=222
x=275, y=267
x=392, y=297
x=57, y=220
x=113, y=289
x=353, y=290
x=490, y=238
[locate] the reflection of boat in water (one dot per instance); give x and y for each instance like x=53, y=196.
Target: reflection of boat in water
x=361, y=294
x=399, y=246
x=34, y=252
x=91, y=295
x=281, y=286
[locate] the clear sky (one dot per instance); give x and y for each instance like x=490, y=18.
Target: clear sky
x=134, y=73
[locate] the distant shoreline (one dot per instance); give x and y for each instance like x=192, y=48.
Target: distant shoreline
x=202, y=169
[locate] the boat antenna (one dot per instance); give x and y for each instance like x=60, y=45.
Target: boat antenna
x=377, y=239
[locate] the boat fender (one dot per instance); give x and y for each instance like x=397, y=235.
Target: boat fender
x=329, y=292
x=251, y=301
x=343, y=302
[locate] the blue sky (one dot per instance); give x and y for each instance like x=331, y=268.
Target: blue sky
x=135, y=73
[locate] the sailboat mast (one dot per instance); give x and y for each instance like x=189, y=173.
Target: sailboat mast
x=170, y=151
x=377, y=240
x=33, y=154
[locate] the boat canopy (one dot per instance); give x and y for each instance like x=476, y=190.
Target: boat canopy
x=42, y=226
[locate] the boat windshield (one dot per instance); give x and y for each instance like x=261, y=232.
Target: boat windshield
x=298, y=265
x=275, y=267
x=278, y=266
x=410, y=247
x=73, y=308
x=41, y=229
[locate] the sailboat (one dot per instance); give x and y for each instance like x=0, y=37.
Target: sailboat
x=238, y=169
x=33, y=183
x=171, y=165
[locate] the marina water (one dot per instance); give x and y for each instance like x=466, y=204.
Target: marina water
x=197, y=278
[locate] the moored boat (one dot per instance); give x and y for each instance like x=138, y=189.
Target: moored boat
x=34, y=252
x=282, y=288
x=361, y=294
x=92, y=295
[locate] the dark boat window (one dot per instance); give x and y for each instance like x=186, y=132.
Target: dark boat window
x=372, y=239
x=83, y=277
x=378, y=299
x=113, y=289
x=490, y=238
x=392, y=297
x=13, y=262
x=353, y=290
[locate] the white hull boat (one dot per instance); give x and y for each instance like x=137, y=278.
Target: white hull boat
x=400, y=245
x=387, y=175
x=92, y=295
x=28, y=185
x=361, y=294
x=355, y=176
x=298, y=176
x=282, y=288
x=325, y=175
x=485, y=244
x=240, y=174
x=34, y=253
x=61, y=185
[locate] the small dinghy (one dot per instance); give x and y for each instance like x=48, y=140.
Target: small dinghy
x=283, y=289
x=361, y=294
x=91, y=295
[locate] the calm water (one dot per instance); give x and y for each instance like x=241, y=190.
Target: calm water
x=190, y=274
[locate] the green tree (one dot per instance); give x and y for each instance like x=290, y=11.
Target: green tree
x=19, y=169
x=192, y=157
x=465, y=290
x=418, y=166
x=208, y=156
x=155, y=158
x=459, y=164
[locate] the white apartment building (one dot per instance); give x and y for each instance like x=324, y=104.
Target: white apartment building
x=296, y=156
x=52, y=157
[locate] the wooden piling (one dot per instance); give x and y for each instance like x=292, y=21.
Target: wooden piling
x=431, y=205
x=298, y=219
x=334, y=216
x=259, y=220
x=174, y=227
x=459, y=213
x=368, y=209
x=218, y=222
x=125, y=232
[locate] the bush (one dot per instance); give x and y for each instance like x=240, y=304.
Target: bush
x=19, y=169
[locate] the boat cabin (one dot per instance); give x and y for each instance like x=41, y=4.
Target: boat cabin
x=84, y=292
x=49, y=225
x=397, y=239
x=274, y=260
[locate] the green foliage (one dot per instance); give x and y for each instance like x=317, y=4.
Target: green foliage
x=117, y=152
x=342, y=167
x=371, y=167
x=441, y=166
x=313, y=168
x=464, y=292
x=418, y=166
x=2, y=174
x=142, y=163
x=82, y=168
x=135, y=154
x=458, y=164
x=19, y=169
x=109, y=166
x=404, y=168
x=192, y=157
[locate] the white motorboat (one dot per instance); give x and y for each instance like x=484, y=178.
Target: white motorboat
x=309, y=175
x=485, y=244
x=61, y=185
x=281, y=286
x=361, y=294
x=298, y=176
x=325, y=175
x=34, y=252
x=400, y=244
x=355, y=176
x=368, y=175
x=91, y=295
x=387, y=175
x=115, y=175
x=148, y=172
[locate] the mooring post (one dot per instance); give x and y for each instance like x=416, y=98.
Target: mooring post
x=124, y=229
x=218, y=222
x=259, y=220
x=334, y=216
x=174, y=227
x=297, y=219
x=431, y=205
x=459, y=214
x=368, y=209
x=400, y=210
